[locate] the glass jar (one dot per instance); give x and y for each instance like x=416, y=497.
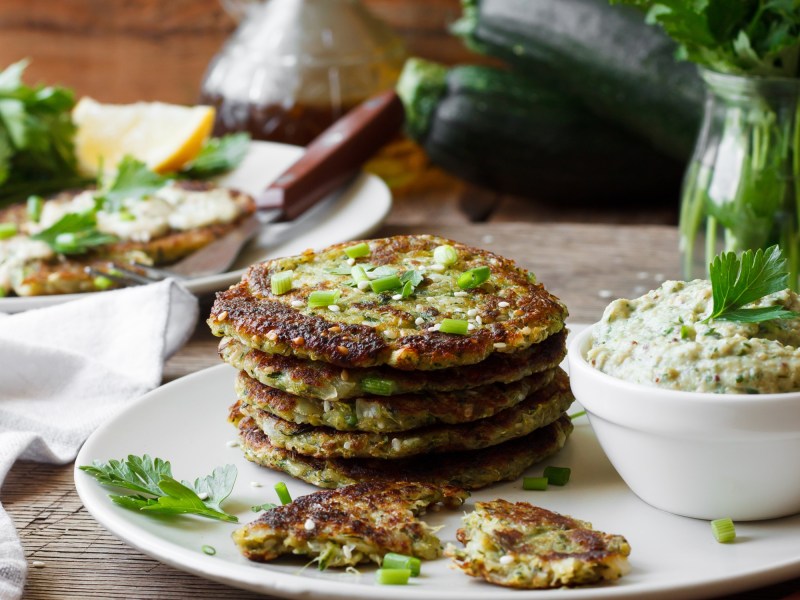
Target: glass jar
x=741, y=190
x=294, y=66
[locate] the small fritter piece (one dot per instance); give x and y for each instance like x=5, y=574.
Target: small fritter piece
x=469, y=470
x=524, y=546
x=394, y=413
x=509, y=311
x=317, y=379
x=537, y=410
x=354, y=524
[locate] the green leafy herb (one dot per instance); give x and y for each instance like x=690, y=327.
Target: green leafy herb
x=159, y=492
x=265, y=506
x=744, y=37
x=736, y=283
x=74, y=233
x=37, y=155
x=218, y=156
x=133, y=180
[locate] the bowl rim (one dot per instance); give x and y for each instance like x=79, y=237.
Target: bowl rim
x=576, y=356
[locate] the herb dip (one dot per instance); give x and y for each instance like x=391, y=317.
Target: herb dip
x=659, y=340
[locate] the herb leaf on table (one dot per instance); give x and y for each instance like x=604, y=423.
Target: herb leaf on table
x=159, y=492
x=736, y=283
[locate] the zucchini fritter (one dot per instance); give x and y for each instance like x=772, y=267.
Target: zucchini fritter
x=325, y=381
x=508, y=312
x=537, y=410
x=470, y=470
x=354, y=524
x=393, y=413
x=524, y=546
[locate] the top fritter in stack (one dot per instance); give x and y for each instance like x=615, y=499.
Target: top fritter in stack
x=410, y=357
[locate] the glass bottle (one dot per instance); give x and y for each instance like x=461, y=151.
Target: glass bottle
x=741, y=187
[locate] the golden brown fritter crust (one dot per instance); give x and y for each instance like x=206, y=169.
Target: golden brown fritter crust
x=328, y=382
x=370, y=329
x=469, y=470
x=539, y=409
x=525, y=546
x=371, y=518
x=392, y=413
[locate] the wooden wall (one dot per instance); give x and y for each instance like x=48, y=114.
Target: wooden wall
x=128, y=50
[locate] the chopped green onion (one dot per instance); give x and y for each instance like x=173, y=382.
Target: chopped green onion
x=557, y=475
x=265, y=506
x=358, y=250
x=723, y=530
x=102, y=283
x=392, y=576
x=687, y=332
x=34, y=207
x=377, y=386
x=473, y=278
x=457, y=326
x=323, y=298
x=126, y=215
x=408, y=289
x=3, y=292
x=534, y=483
x=359, y=274
x=282, y=282
x=7, y=230
x=66, y=242
x=385, y=284
x=283, y=493
x=210, y=550
x=574, y=416
x=400, y=561
x=445, y=255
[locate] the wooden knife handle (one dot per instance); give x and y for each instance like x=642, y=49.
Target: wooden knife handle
x=332, y=158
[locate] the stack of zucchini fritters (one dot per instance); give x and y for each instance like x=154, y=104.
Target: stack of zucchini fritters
x=395, y=359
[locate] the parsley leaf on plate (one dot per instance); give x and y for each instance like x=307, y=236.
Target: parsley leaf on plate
x=159, y=492
x=217, y=156
x=133, y=181
x=737, y=282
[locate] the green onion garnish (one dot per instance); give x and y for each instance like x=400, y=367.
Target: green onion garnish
x=358, y=250
x=384, y=284
x=534, y=483
x=210, y=550
x=34, y=207
x=392, y=576
x=67, y=242
x=102, y=283
x=686, y=332
x=457, y=326
x=283, y=493
x=377, y=386
x=400, y=561
x=323, y=298
x=7, y=230
x=574, y=416
x=3, y=292
x=557, y=475
x=445, y=255
x=407, y=290
x=723, y=530
x=359, y=274
x=473, y=278
x=265, y=506
x=282, y=282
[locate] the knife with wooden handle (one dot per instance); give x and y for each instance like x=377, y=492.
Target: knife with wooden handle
x=333, y=158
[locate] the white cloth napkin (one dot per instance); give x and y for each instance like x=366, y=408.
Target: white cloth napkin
x=66, y=369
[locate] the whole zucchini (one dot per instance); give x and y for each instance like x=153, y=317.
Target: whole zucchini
x=512, y=134
x=607, y=56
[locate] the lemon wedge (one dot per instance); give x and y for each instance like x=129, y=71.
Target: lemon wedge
x=164, y=136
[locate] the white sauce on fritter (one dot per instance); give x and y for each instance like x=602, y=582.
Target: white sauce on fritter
x=659, y=339
x=15, y=252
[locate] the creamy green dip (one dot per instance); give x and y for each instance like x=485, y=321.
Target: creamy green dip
x=658, y=339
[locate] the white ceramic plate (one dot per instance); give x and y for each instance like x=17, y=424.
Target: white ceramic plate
x=354, y=213
x=671, y=556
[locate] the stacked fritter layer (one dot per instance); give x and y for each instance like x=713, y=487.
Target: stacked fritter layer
x=411, y=357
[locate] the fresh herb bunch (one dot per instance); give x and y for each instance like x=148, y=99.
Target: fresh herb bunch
x=159, y=493
x=741, y=37
x=737, y=282
x=37, y=155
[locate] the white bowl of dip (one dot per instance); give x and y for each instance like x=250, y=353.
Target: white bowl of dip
x=697, y=454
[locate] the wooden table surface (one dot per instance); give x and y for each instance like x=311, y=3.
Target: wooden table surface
x=582, y=264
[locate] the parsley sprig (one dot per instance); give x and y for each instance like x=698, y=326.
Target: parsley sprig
x=737, y=282
x=158, y=492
